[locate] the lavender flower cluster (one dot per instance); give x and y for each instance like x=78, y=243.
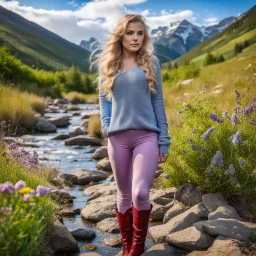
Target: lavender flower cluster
x=21, y=187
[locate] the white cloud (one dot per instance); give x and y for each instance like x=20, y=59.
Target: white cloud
x=211, y=21
x=94, y=19
x=73, y=3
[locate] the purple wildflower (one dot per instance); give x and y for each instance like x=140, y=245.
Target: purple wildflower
x=20, y=184
x=242, y=162
x=230, y=170
x=189, y=140
x=238, y=94
x=42, y=191
x=207, y=134
x=185, y=151
x=225, y=114
x=180, y=111
x=203, y=150
x=215, y=118
x=26, y=197
x=193, y=146
x=7, y=188
x=234, y=119
x=235, y=138
x=217, y=160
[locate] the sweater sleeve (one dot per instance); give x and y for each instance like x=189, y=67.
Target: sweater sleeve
x=158, y=104
x=105, y=109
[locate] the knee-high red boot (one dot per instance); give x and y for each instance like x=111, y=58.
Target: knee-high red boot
x=126, y=229
x=140, y=229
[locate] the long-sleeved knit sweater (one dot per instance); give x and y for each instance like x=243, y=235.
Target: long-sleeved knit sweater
x=134, y=106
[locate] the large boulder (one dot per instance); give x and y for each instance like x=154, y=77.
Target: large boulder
x=43, y=125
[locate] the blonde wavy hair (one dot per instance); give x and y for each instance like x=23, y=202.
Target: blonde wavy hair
x=109, y=60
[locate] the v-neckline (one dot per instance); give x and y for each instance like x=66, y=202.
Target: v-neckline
x=127, y=70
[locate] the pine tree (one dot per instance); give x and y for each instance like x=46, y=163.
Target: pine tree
x=209, y=59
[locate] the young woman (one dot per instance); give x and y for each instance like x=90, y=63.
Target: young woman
x=134, y=120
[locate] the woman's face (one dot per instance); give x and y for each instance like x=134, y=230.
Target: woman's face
x=133, y=37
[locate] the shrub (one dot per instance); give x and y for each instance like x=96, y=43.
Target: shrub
x=215, y=150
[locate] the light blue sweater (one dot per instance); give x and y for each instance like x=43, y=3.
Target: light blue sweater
x=134, y=106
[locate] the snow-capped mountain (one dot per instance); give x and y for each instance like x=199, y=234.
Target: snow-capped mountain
x=182, y=36
x=170, y=42
x=89, y=45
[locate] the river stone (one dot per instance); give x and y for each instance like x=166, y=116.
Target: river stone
x=61, y=195
x=61, y=136
x=163, y=249
x=158, y=212
x=175, y=210
x=82, y=176
x=225, y=211
x=76, y=131
x=83, y=140
x=227, y=227
x=104, y=191
x=43, y=125
x=108, y=225
x=222, y=246
x=90, y=247
x=113, y=242
x=67, y=212
x=189, y=194
x=213, y=200
x=90, y=254
x=81, y=233
x=100, y=208
x=61, y=121
x=60, y=239
x=179, y=222
x=71, y=108
x=100, y=153
x=186, y=82
x=87, y=115
x=104, y=164
x=162, y=196
x=190, y=239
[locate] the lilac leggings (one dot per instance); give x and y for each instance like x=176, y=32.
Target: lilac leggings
x=133, y=156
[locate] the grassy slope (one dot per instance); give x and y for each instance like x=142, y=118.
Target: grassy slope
x=29, y=41
x=232, y=74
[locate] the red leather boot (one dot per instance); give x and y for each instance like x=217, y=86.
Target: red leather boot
x=126, y=229
x=140, y=229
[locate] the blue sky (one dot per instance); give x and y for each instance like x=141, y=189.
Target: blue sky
x=76, y=20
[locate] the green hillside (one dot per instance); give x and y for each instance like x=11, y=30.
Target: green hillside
x=243, y=28
x=35, y=45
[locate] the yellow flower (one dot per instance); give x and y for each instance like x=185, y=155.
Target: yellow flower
x=31, y=199
x=25, y=190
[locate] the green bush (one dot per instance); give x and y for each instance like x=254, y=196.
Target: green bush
x=212, y=149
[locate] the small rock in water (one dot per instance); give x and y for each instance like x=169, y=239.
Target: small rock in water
x=81, y=233
x=90, y=247
x=67, y=212
x=113, y=242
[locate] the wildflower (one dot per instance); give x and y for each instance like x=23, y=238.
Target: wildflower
x=237, y=109
x=203, y=149
x=189, y=140
x=193, y=146
x=42, y=191
x=234, y=119
x=207, y=134
x=249, y=109
x=242, y=162
x=238, y=94
x=235, y=138
x=180, y=111
x=185, y=151
x=20, y=184
x=225, y=114
x=230, y=170
x=25, y=190
x=7, y=188
x=215, y=118
x=217, y=160
x=33, y=162
x=233, y=180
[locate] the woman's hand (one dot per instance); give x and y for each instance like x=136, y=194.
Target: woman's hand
x=162, y=158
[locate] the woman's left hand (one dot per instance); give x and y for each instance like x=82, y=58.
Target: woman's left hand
x=162, y=158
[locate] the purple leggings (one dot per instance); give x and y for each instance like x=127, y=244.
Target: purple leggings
x=133, y=156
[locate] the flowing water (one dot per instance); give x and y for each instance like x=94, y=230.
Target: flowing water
x=54, y=153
